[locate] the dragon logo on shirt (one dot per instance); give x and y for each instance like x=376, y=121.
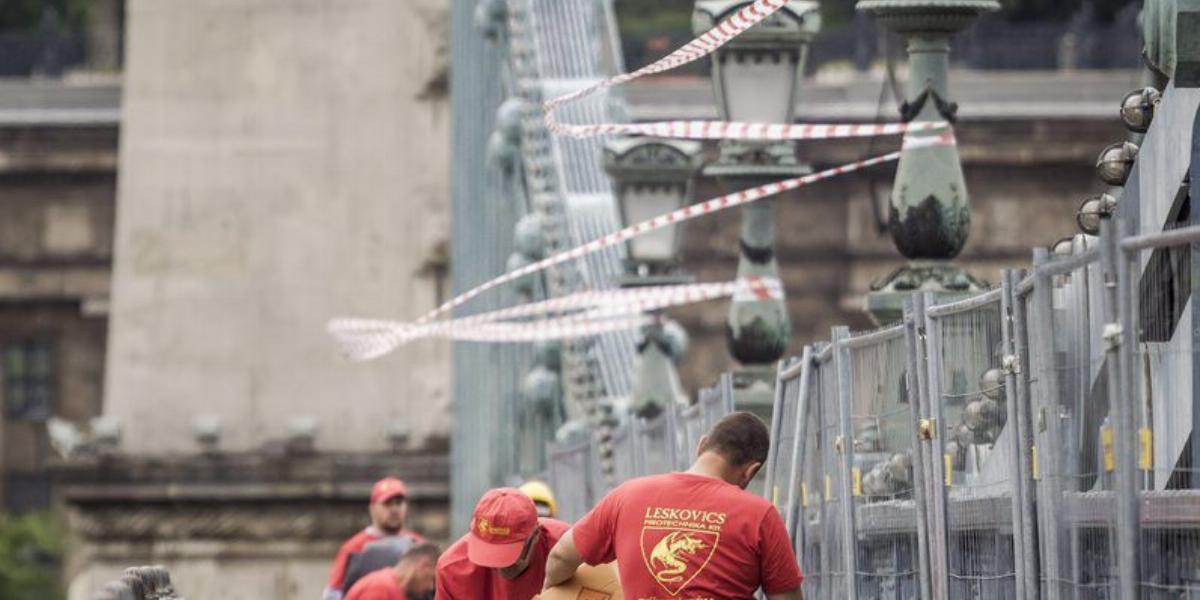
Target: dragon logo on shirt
x=675, y=556
x=670, y=553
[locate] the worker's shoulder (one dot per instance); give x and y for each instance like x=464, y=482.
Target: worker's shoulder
x=356, y=542
x=555, y=527
x=455, y=557
x=377, y=578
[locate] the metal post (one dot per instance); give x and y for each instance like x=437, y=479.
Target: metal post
x=1011, y=364
x=1018, y=385
x=770, y=490
x=806, y=360
x=1119, y=335
x=841, y=358
x=939, y=536
x=671, y=411
x=639, y=455
x=1048, y=417
x=912, y=333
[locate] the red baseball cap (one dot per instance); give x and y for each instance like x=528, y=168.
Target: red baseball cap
x=504, y=519
x=387, y=488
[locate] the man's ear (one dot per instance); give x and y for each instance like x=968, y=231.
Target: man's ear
x=751, y=470
x=703, y=443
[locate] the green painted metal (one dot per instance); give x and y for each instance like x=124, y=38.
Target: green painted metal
x=929, y=213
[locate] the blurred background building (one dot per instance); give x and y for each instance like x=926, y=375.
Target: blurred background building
x=257, y=167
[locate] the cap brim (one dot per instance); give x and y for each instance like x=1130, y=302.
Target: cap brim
x=493, y=556
x=389, y=496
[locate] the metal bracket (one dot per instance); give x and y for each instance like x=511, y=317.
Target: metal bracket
x=1011, y=363
x=839, y=444
x=1112, y=333
x=926, y=429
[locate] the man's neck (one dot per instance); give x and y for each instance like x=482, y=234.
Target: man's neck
x=711, y=464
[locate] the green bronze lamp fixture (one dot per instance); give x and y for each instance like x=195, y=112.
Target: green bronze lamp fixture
x=929, y=213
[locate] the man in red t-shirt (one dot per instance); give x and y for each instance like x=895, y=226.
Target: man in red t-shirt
x=411, y=579
x=696, y=534
x=503, y=556
x=389, y=510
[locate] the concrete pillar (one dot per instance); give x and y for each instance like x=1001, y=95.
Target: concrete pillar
x=282, y=162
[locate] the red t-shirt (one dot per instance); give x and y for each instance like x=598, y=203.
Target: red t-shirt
x=681, y=535
x=379, y=585
x=333, y=588
x=460, y=579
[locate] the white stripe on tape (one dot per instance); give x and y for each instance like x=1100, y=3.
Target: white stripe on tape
x=736, y=130
x=363, y=339
x=698, y=48
x=684, y=214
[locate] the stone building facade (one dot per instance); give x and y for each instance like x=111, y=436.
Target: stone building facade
x=57, y=192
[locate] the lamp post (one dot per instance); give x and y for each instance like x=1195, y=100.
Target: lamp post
x=929, y=211
x=755, y=78
x=652, y=177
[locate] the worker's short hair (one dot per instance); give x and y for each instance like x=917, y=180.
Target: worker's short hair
x=741, y=438
x=422, y=550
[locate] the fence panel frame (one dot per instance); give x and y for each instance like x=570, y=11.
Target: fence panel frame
x=801, y=370
x=914, y=332
x=841, y=361
x=896, y=333
x=1018, y=388
x=776, y=428
x=941, y=531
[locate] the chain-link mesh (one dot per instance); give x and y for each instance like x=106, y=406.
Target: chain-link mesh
x=569, y=471
x=966, y=387
x=623, y=453
x=831, y=482
x=1072, y=429
x=1162, y=331
x=809, y=523
x=882, y=454
x=693, y=425
x=655, y=440
x=784, y=422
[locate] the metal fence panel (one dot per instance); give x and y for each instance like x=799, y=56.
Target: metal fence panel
x=837, y=524
x=1159, y=399
x=808, y=518
x=882, y=489
x=569, y=470
x=784, y=421
x=624, y=465
x=692, y=427
x=1072, y=455
x=655, y=444
x=965, y=352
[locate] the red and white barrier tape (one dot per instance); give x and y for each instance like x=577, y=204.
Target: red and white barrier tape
x=737, y=130
x=702, y=46
x=698, y=48
x=598, y=312
x=678, y=216
x=364, y=339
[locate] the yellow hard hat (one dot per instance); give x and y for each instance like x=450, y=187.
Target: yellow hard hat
x=541, y=495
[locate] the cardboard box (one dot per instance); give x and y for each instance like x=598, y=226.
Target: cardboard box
x=589, y=583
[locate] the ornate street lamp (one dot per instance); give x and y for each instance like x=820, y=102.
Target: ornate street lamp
x=653, y=177
x=755, y=78
x=929, y=214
